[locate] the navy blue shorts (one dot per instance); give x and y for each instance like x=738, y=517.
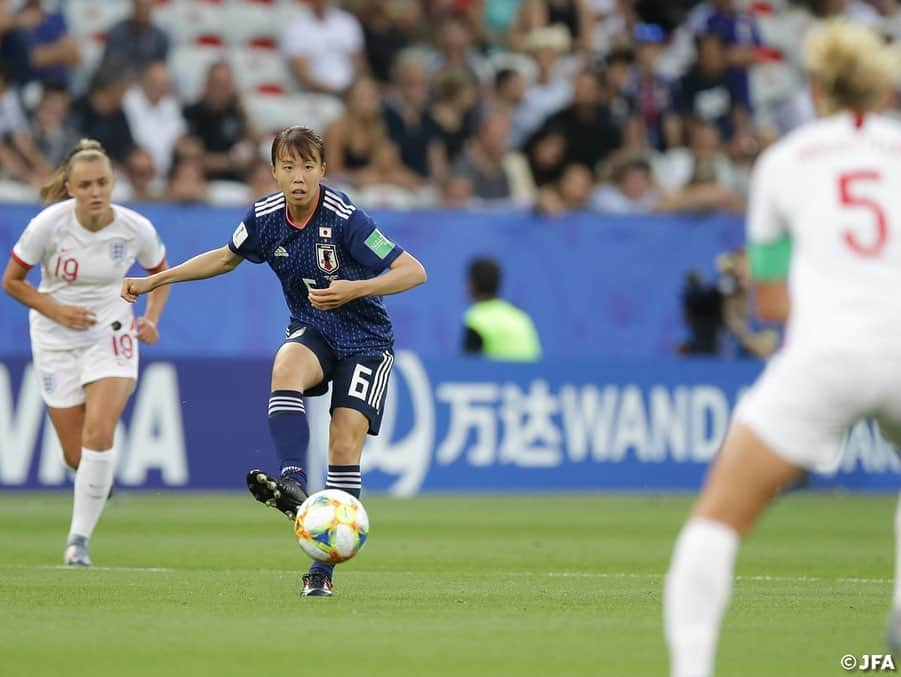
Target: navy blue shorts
x=359, y=381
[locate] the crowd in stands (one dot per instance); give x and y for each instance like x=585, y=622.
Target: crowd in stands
x=623, y=106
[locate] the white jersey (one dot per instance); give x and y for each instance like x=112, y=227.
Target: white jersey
x=85, y=268
x=834, y=187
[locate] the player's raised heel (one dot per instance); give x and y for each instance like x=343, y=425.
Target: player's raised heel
x=282, y=493
x=76, y=554
x=316, y=585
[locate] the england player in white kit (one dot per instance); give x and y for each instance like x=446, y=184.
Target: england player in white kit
x=84, y=338
x=824, y=240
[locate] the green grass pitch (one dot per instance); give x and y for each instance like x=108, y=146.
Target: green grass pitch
x=206, y=584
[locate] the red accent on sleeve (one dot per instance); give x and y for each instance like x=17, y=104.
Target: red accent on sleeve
x=158, y=267
x=27, y=266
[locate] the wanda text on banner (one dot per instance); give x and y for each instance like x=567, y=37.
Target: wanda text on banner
x=449, y=425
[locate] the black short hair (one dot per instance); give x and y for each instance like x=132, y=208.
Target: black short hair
x=297, y=140
x=485, y=276
x=504, y=75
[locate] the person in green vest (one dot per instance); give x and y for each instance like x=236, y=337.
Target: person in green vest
x=494, y=328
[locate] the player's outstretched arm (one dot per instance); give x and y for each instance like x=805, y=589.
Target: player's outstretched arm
x=405, y=273
x=209, y=264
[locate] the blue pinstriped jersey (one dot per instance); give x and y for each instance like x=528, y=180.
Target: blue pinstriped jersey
x=338, y=242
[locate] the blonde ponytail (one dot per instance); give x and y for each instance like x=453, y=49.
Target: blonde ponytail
x=54, y=189
x=852, y=65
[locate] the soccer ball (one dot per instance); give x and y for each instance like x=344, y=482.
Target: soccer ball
x=331, y=526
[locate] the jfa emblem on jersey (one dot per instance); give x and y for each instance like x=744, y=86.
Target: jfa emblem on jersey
x=117, y=250
x=327, y=257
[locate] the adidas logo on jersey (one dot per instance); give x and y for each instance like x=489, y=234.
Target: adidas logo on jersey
x=280, y=252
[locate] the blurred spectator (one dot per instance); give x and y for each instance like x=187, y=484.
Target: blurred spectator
x=493, y=20
x=613, y=21
x=615, y=77
x=455, y=49
x=574, y=15
x=496, y=173
x=99, y=114
x=454, y=108
x=19, y=158
x=219, y=121
x=389, y=27
x=858, y=11
x=703, y=161
x=39, y=47
x=739, y=33
x=571, y=193
x=706, y=92
x=889, y=23
x=631, y=190
x=666, y=13
x=493, y=328
x=324, y=47
x=546, y=153
x=587, y=124
x=701, y=175
x=551, y=91
x=357, y=148
x=187, y=182
x=138, y=181
x=386, y=169
x=134, y=43
x=410, y=125
x=651, y=92
x=260, y=181
x=457, y=192
x=509, y=90
x=50, y=127
x=154, y=115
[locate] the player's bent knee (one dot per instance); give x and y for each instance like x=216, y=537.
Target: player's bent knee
x=98, y=436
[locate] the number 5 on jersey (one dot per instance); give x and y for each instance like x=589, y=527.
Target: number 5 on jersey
x=873, y=245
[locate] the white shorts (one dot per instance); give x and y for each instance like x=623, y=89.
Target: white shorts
x=64, y=373
x=803, y=404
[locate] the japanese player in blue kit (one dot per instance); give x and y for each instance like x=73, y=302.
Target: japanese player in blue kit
x=334, y=266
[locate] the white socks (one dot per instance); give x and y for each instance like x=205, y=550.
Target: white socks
x=696, y=593
x=93, y=480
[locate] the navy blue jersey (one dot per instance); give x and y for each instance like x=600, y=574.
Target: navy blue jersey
x=338, y=242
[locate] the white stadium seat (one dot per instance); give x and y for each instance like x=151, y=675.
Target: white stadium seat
x=271, y=113
x=199, y=21
x=261, y=70
x=88, y=18
x=91, y=52
x=189, y=65
x=253, y=24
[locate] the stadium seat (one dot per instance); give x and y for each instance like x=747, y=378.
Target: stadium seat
x=91, y=52
x=189, y=65
x=165, y=15
x=261, y=70
x=199, y=22
x=252, y=24
x=271, y=113
x=89, y=18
